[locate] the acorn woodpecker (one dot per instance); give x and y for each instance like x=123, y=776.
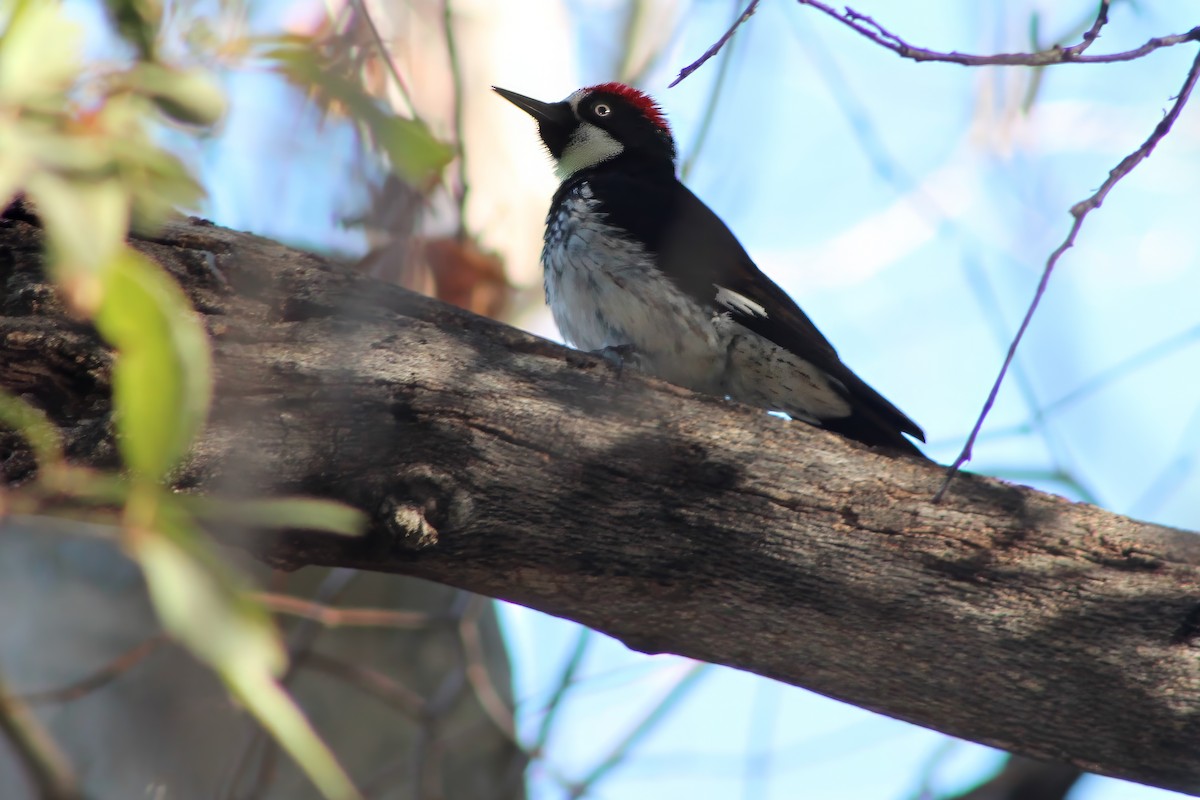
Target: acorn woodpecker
x=638, y=267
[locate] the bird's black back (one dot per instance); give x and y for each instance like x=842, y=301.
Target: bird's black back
x=696, y=250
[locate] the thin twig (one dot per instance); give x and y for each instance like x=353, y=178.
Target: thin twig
x=1139, y=360
x=710, y=109
x=1092, y=33
x=635, y=13
x=565, y=680
x=300, y=644
x=361, y=8
x=764, y=714
x=390, y=691
x=712, y=51
x=1176, y=472
x=493, y=705
x=332, y=617
x=639, y=731
x=49, y=770
x=100, y=678
x=923, y=203
x=1079, y=211
x=871, y=29
x=929, y=769
x=460, y=143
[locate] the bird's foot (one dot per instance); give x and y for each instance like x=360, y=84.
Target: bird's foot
x=619, y=355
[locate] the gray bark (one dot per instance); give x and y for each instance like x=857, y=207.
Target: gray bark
x=500, y=463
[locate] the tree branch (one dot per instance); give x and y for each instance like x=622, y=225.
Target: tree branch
x=1079, y=212
x=501, y=463
x=868, y=27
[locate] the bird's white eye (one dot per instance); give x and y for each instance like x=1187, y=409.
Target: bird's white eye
x=602, y=110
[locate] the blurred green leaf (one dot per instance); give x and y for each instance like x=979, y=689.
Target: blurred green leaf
x=202, y=604
x=414, y=153
x=187, y=96
x=15, y=162
x=37, y=429
x=163, y=372
x=296, y=513
x=138, y=22
x=86, y=221
x=39, y=51
x=90, y=486
x=197, y=597
x=279, y=714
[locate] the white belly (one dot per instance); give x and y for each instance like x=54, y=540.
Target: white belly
x=605, y=291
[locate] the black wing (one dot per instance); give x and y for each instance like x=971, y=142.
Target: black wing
x=699, y=252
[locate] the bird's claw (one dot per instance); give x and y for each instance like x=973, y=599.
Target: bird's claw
x=618, y=355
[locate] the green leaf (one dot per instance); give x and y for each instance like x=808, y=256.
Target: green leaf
x=86, y=221
x=138, y=22
x=187, y=96
x=37, y=429
x=39, y=51
x=294, y=513
x=198, y=598
x=203, y=605
x=279, y=714
x=414, y=153
x=15, y=160
x=162, y=378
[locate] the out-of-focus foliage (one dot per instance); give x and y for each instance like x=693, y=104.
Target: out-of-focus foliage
x=162, y=379
x=77, y=140
x=414, y=154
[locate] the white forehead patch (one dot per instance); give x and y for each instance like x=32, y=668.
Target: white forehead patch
x=574, y=97
x=587, y=147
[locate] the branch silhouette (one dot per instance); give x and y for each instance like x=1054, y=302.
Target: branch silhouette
x=500, y=463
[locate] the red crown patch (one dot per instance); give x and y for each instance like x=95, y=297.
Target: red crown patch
x=638, y=99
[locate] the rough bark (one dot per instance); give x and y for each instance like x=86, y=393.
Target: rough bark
x=501, y=463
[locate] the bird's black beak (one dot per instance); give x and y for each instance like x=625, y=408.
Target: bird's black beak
x=555, y=113
x=555, y=120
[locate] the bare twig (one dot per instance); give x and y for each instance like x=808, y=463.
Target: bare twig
x=332, y=617
x=48, y=767
x=460, y=144
x=1177, y=470
x=1079, y=211
x=646, y=724
x=1092, y=33
x=395, y=694
x=565, y=679
x=364, y=13
x=1138, y=360
x=1025, y=779
x=764, y=714
x=871, y=29
x=923, y=203
x=477, y=671
x=716, y=48
x=710, y=108
x=300, y=644
x=100, y=678
x=929, y=768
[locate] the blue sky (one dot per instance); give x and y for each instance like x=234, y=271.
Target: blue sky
x=909, y=208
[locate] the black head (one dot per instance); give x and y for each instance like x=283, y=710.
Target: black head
x=598, y=124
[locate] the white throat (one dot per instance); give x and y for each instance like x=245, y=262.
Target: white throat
x=588, y=146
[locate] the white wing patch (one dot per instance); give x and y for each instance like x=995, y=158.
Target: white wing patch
x=739, y=303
